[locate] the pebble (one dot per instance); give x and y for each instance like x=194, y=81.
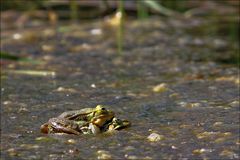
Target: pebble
x=206, y=134
x=217, y=123
x=220, y=140
x=154, y=137
x=7, y=102
x=48, y=48
x=234, y=104
x=96, y=31
x=13, y=152
x=189, y=105
x=102, y=154
x=62, y=89
x=23, y=109
x=129, y=148
x=73, y=151
x=130, y=156
x=71, y=141
x=45, y=139
x=160, y=88
x=93, y=85
x=174, y=95
x=229, y=154
x=213, y=134
x=29, y=146
x=17, y=36
x=200, y=151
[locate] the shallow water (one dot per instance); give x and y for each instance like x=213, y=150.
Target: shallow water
x=197, y=115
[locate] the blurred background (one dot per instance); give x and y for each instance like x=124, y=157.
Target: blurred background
x=210, y=17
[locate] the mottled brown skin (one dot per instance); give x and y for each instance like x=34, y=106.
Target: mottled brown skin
x=61, y=125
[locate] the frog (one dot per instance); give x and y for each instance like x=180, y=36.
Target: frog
x=86, y=121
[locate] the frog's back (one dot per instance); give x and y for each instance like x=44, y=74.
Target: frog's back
x=75, y=113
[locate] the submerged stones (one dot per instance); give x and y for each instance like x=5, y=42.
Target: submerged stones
x=160, y=88
x=211, y=135
x=189, y=105
x=229, y=154
x=103, y=154
x=154, y=137
x=201, y=151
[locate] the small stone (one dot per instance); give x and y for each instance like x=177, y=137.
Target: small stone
x=29, y=146
x=96, y=31
x=102, y=154
x=93, y=85
x=229, y=154
x=17, y=36
x=73, y=151
x=227, y=134
x=189, y=105
x=217, y=123
x=62, y=89
x=130, y=156
x=13, y=152
x=185, y=126
x=154, y=137
x=234, y=104
x=200, y=151
x=163, y=87
x=23, y=109
x=48, y=48
x=7, y=102
x=71, y=141
x=129, y=148
x=220, y=140
x=93, y=146
x=47, y=57
x=45, y=139
x=174, y=95
x=102, y=151
x=207, y=135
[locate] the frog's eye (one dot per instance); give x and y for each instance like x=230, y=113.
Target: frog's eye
x=99, y=107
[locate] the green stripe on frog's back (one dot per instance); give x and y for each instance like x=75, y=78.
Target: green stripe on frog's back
x=83, y=114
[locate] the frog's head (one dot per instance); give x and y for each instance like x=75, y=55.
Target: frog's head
x=102, y=115
x=101, y=109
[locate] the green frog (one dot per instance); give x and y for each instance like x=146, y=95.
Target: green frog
x=86, y=121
